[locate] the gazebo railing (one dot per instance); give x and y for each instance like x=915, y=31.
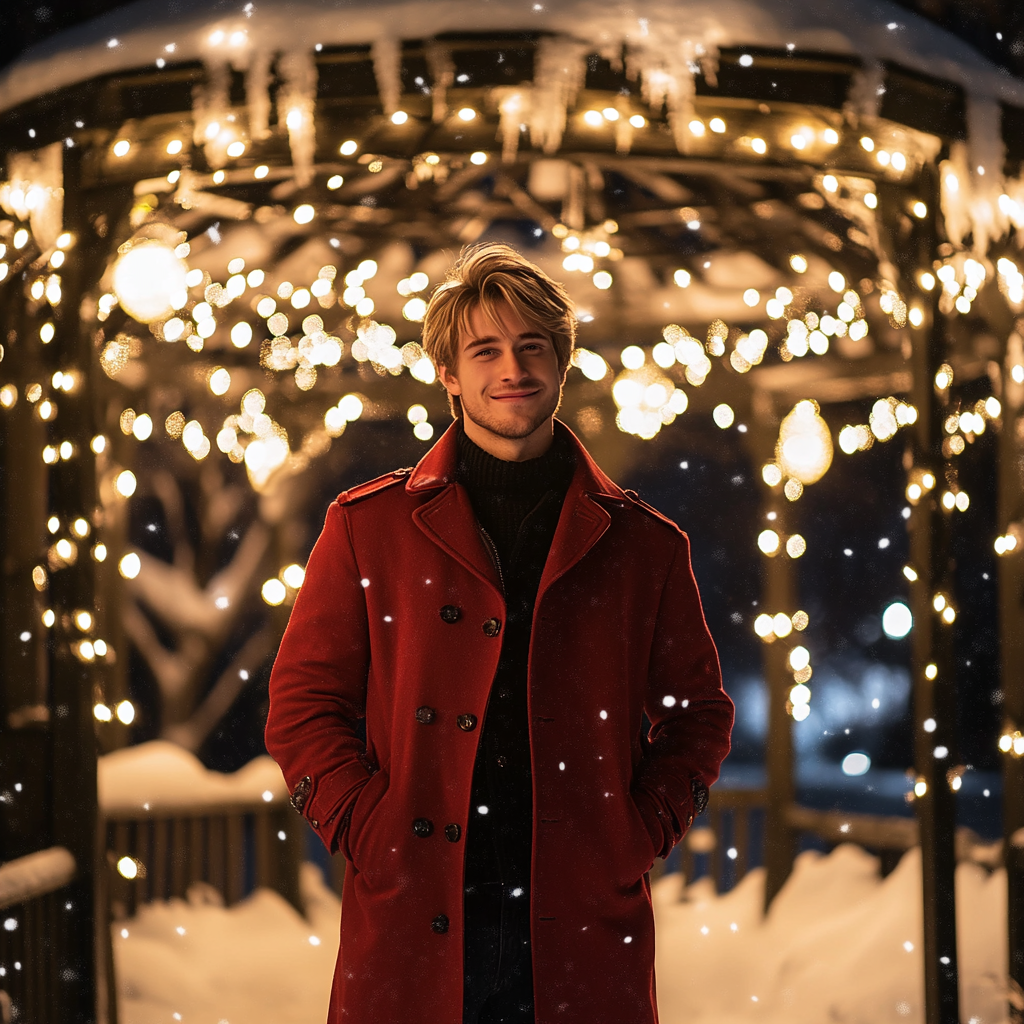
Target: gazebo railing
x=232, y=847
x=727, y=840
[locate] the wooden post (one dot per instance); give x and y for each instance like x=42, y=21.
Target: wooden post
x=934, y=668
x=1011, y=632
x=779, y=595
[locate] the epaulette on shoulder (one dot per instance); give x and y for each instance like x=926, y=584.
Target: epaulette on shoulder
x=650, y=510
x=380, y=483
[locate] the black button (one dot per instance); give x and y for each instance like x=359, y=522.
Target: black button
x=440, y=924
x=492, y=627
x=451, y=613
x=425, y=715
x=467, y=723
x=453, y=833
x=423, y=827
x=502, y=760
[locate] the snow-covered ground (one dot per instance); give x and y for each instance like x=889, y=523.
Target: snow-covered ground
x=840, y=945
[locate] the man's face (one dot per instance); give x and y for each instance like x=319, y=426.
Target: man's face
x=507, y=375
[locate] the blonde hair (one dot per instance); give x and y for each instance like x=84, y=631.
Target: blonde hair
x=484, y=275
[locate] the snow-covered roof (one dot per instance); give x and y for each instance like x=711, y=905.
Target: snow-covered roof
x=148, y=32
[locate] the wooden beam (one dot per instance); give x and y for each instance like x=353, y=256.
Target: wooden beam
x=1010, y=508
x=934, y=666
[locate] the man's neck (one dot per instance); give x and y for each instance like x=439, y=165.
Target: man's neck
x=517, y=449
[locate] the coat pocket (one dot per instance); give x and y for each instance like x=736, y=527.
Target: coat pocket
x=642, y=849
x=365, y=815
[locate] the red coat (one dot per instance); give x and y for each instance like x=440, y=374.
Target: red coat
x=617, y=630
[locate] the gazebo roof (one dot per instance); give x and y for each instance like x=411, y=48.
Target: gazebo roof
x=150, y=32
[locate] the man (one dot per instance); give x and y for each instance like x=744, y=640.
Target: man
x=502, y=615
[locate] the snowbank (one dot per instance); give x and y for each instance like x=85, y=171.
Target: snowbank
x=840, y=944
x=159, y=776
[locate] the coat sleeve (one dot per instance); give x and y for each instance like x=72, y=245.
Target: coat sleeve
x=691, y=715
x=318, y=686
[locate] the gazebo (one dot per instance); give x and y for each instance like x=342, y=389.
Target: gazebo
x=220, y=228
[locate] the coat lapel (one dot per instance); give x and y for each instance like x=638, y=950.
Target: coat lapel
x=449, y=521
x=448, y=518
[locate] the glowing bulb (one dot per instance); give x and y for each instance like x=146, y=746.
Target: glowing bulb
x=146, y=279
x=294, y=575
x=130, y=565
x=125, y=483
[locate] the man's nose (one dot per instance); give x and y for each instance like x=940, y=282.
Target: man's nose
x=512, y=367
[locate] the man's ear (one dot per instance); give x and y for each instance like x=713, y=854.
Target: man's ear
x=449, y=380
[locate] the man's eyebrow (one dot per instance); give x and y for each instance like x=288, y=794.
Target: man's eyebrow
x=491, y=339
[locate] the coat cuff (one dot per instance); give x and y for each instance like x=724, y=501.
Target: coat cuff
x=664, y=826
x=322, y=799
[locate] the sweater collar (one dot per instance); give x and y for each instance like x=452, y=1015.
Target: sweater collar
x=438, y=468
x=479, y=470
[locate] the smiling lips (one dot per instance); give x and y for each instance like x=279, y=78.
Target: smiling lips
x=515, y=394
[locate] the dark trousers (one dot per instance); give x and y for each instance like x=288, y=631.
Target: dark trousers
x=498, y=962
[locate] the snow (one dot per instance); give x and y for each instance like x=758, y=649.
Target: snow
x=839, y=944
x=158, y=776
x=35, y=875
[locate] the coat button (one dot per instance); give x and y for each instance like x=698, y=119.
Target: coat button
x=451, y=613
x=492, y=627
x=467, y=723
x=315, y=823
x=502, y=761
x=440, y=924
x=453, y=833
x=425, y=715
x=689, y=820
x=301, y=793
x=423, y=827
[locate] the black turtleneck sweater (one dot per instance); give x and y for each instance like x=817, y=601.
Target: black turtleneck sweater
x=518, y=505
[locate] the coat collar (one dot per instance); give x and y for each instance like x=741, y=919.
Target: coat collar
x=448, y=519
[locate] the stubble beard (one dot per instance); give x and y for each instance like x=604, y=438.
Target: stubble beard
x=511, y=428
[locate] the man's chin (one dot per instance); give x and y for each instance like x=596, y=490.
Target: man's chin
x=510, y=426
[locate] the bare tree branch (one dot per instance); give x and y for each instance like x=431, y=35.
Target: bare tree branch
x=225, y=692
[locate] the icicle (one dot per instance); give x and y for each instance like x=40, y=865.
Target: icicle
x=955, y=182
x=707, y=58
x=296, y=100
x=572, y=205
x=35, y=191
x=442, y=74
x=513, y=103
x=865, y=94
x=560, y=68
x=666, y=80
x=989, y=220
x=387, y=69
x=257, y=94
x=623, y=128
x=211, y=104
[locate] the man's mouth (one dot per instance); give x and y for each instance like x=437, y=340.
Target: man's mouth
x=512, y=395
